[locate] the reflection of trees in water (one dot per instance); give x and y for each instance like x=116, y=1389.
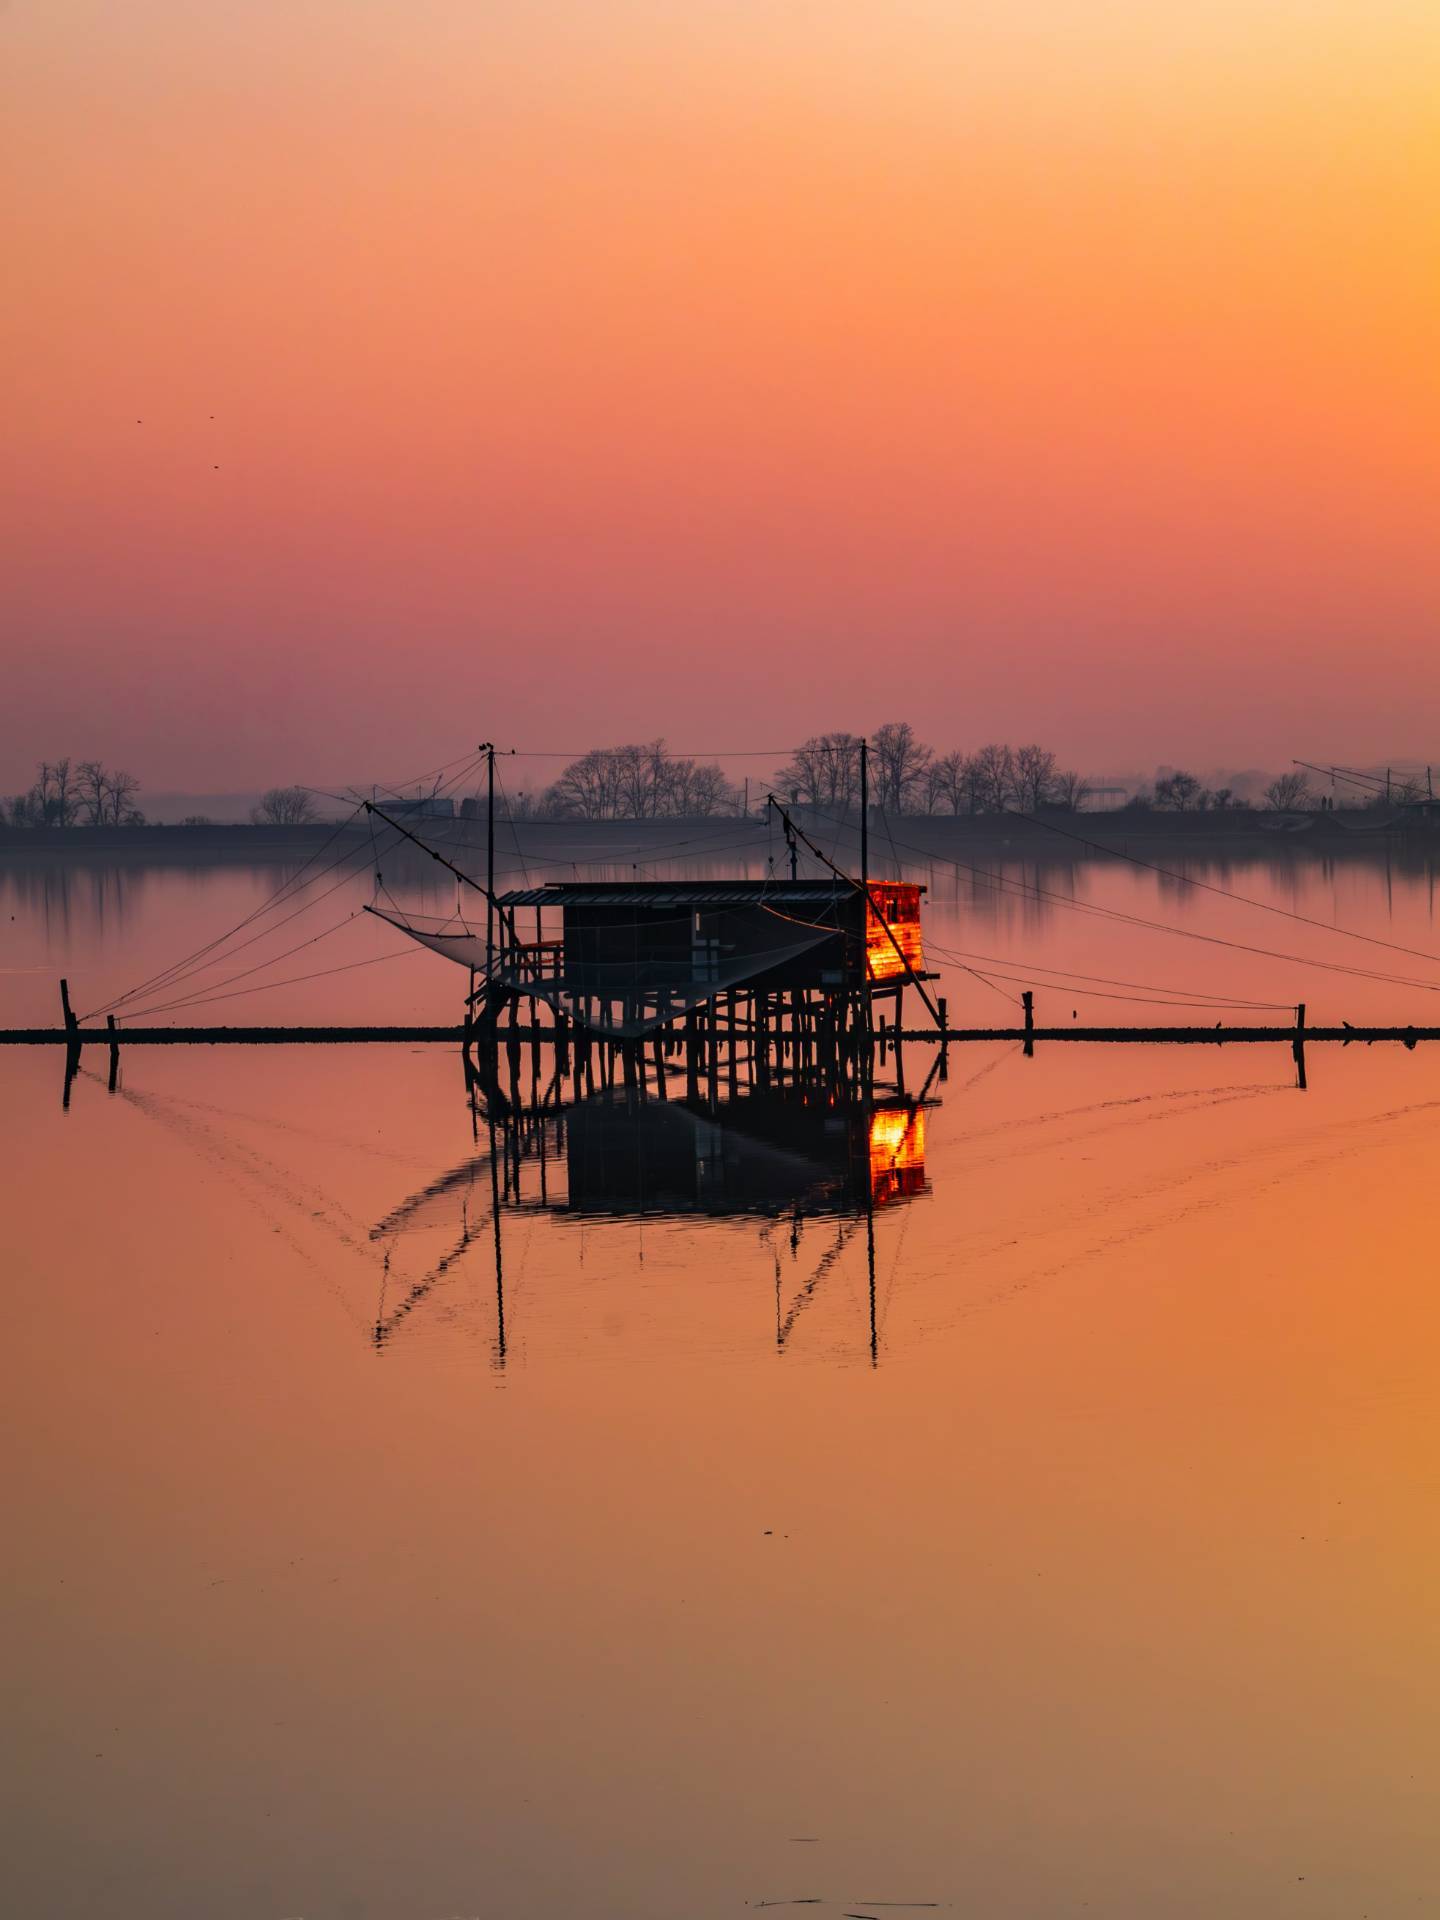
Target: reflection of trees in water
x=73, y=898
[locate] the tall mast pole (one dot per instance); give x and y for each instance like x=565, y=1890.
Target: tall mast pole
x=865, y=816
x=865, y=898
x=490, y=861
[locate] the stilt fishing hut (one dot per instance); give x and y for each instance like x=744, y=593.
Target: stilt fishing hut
x=622, y=961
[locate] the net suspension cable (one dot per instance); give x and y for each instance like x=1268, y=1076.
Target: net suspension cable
x=197, y=962
x=1028, y=889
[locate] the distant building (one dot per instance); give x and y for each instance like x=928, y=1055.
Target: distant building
x=430, y=806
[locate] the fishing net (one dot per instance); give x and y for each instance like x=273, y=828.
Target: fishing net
x=619, y=999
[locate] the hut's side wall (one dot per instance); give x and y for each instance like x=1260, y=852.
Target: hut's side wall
x=899, y=901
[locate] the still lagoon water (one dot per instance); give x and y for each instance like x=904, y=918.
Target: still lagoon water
x=1053, y=1535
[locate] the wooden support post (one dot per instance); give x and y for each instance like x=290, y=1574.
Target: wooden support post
x=1299, y=1046
x=114, y=1057
x=72, y=1044
x=1027, y=1000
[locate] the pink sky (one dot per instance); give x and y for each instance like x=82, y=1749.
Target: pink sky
x=388, y=377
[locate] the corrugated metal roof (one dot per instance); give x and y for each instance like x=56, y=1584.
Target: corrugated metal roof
x=730, y=893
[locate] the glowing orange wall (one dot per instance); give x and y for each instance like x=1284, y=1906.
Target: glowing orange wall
x=888, y=954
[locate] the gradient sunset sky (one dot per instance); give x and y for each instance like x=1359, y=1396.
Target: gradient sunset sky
x=389, y=376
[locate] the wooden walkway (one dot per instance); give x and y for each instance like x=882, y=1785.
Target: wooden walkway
x=1212, y=1036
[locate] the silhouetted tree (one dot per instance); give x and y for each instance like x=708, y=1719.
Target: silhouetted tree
x=638, y=782
x=1032, y=777
x=284, y=807
x=898, y=763
x=53, y=801
x=1288, y=793
x=990, y=776
x=1179, y=792
x=945, y=788
x=824, y=772
x=1070, y=790
x=106, y=798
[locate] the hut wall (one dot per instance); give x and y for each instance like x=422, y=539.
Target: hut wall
x=899, y=902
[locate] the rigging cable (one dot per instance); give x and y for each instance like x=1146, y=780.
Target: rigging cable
x=1118, y=914
x=272, y=899
x=1209, y=886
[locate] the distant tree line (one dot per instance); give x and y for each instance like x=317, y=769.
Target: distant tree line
x=637, y=782
x=284, y=807
x=906, y=776
x=85, y=794
x=1182, y=792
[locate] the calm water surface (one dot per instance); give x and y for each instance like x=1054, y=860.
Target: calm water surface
x=1058, y=1540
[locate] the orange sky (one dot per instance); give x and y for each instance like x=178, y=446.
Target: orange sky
x=594, y=368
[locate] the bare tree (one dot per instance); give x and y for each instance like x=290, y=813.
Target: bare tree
x=120, y=808
x=90, y=779
x=53, y=801
x=637, y=782
x=944, y=789
x=1288, y=793
x=589, y=786
x=1180, y=792
x=899, y=761
x=1032, y=777
x=699, y=788
x=1070, y=790
x=824, y=772
x=104, y=798
x=990, y=775
x=284, y=807
x=641, y=780
x=62, y=785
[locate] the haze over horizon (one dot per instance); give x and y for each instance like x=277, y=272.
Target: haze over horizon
x=389, y=377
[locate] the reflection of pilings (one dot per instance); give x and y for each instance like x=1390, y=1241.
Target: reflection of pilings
x=499, y=1252
x=806, y=1293
x=870, y=1267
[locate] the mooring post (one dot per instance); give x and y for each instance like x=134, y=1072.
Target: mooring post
x=114, y=1056
x=72, y=1043
x=1299, y=1046
x=1027, y=1000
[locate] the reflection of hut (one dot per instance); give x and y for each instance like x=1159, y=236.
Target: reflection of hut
x=766, y=1153
x=897, y=1153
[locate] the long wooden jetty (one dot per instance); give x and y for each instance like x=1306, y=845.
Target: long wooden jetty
x=81, y=1036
